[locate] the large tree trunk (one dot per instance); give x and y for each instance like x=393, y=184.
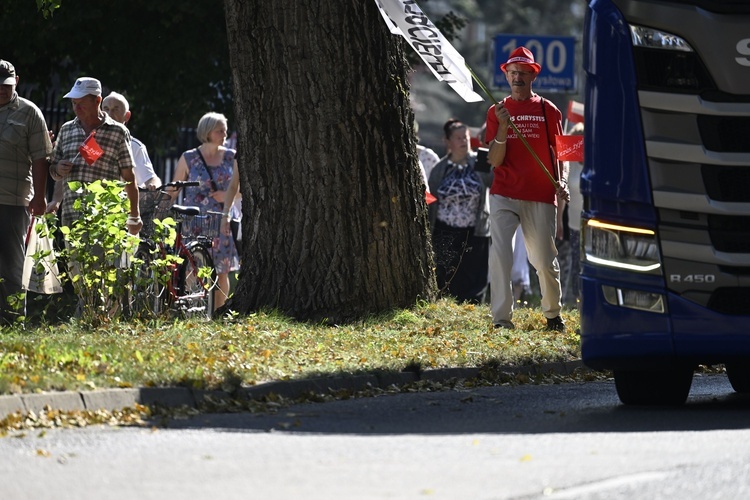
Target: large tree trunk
x=334, y=224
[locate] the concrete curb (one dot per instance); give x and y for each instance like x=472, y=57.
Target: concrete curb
x=172, y=397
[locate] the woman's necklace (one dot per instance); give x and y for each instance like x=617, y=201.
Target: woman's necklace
x=461, y=164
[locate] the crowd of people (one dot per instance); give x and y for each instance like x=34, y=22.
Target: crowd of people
x=96, y=144
x=491, y=217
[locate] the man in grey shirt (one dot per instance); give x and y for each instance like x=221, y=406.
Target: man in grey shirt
x=24, y=148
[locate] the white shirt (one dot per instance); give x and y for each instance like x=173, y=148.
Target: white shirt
x=428, y=158
x=144, y=170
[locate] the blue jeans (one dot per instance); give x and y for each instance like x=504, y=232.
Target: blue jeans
x=14, y=224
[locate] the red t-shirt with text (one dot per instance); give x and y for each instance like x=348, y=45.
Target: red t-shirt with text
x=520, y=176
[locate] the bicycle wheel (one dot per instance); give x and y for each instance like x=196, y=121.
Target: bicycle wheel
x=196, y=280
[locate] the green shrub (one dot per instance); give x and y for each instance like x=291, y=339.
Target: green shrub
x=101, y=254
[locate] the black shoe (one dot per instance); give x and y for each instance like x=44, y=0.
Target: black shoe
x=504, y=323
x=555, y=324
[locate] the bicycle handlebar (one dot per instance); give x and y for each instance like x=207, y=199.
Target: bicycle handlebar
x=181, y=184
x=174, y=184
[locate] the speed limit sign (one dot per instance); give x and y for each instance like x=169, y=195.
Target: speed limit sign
x=555, y=54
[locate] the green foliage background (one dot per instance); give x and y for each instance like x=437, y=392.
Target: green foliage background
x=170, y=58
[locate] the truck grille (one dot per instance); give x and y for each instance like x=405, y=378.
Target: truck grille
x=730, y=301
x=730, y=184
x=729, y=234
x=725, y=134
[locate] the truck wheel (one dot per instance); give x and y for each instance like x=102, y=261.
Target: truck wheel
x=660, y=387
x=739, y=376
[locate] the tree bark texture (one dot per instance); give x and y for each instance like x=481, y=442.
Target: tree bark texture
x=335, y=225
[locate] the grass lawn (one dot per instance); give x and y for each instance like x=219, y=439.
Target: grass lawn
x=268, y=346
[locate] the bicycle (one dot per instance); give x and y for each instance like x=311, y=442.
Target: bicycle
x=191, y=277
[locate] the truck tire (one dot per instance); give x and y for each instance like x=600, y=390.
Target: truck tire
x=650, y=388
x=739, y=376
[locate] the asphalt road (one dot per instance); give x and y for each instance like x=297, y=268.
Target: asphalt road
x=552, y=441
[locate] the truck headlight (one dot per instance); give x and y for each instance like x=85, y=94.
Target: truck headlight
x=612, y=245
x=634, y=299
x=656, y=39
x=665, y=62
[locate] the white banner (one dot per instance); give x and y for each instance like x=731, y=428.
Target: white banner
x=405, y=18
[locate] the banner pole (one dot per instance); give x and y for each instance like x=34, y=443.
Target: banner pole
x=515, y=129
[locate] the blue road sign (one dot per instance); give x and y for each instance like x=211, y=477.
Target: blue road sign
x=556, y=54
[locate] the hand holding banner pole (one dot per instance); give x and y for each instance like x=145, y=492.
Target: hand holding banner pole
x=515, y=129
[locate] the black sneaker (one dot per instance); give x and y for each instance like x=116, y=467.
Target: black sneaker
x=504, y=323
x=555, y=324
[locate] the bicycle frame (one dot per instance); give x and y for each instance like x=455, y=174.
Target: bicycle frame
x=176, y=295
x=180, y=249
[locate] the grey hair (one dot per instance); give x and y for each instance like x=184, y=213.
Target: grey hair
x=207, y=123
x=119, y=97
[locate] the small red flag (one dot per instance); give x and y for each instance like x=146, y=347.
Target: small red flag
x=575, y=111
x=569, y=147
x=90, y=149
x=429, y=198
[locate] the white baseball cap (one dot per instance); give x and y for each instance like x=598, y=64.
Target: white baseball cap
x=84, y=86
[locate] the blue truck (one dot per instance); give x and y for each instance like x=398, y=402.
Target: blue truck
x=665, y=234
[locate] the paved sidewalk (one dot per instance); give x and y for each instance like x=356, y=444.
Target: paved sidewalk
x=117, y=399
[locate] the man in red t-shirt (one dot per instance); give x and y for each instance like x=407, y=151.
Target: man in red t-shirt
x=522, y=192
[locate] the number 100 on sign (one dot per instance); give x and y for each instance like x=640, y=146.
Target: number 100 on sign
x=555, y=54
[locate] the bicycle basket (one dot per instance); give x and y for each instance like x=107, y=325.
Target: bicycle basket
x=153, y=205
x=206, y=226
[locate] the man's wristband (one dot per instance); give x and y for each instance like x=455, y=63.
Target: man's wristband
x=500, y=142
x=134, y=221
